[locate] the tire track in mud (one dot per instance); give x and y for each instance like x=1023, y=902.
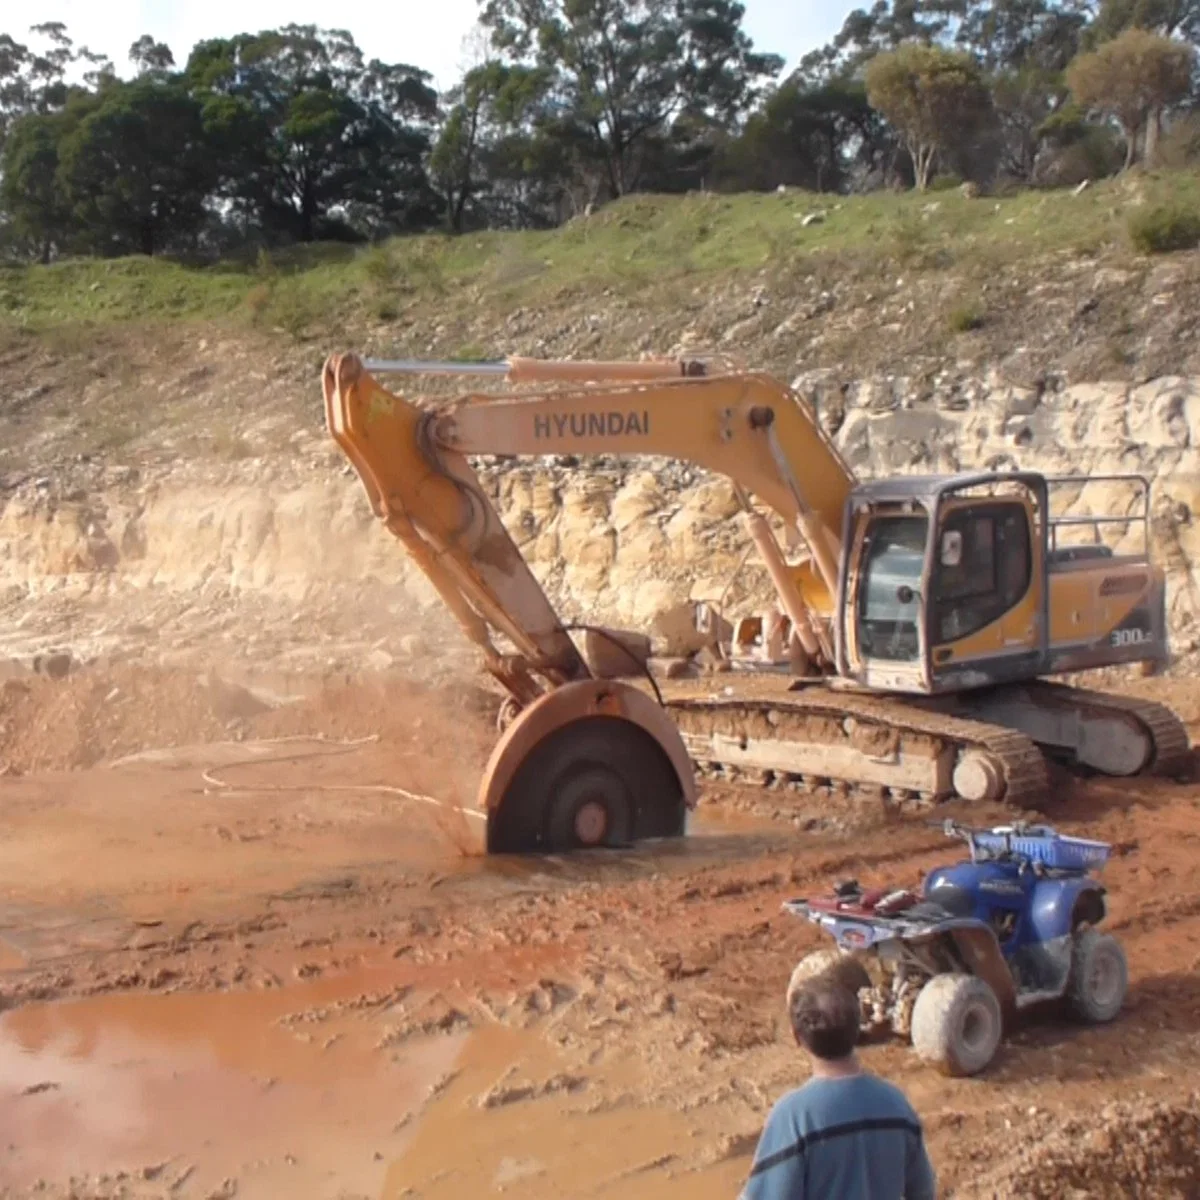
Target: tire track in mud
x=670, y=965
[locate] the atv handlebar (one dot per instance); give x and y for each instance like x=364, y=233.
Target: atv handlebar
x=951, y=828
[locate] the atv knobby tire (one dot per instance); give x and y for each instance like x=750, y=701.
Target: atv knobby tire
x=844, y=968
x=957, y=1024
x=1099, y=977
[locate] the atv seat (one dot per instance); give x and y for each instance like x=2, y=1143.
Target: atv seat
x=876, y=902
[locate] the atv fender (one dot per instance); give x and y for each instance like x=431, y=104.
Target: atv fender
x=1058, y=910
x=980, y=952
x=1057, y=905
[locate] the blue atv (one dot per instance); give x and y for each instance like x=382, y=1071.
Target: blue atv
x=950, y=966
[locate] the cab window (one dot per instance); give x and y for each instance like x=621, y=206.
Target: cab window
x=982, y=569
x=888, y=599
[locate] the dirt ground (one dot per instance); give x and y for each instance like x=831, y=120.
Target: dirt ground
x=253, y=949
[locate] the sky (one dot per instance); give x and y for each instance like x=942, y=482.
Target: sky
x=426, y=33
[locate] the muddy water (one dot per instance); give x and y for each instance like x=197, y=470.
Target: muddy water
x=296, y=1092
x=211, y=1086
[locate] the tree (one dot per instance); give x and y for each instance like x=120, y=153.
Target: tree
x=1019, y=36
x=148, y=55
x=489, y=108
x=137, y=169
x=1024, y=100
x=28, y=189
x=1167, y=17
x=935, y=98
x=31, y=189
x=886, y=27
x=33, y=81
x=622, y=71
x=314, y=141
x=1133, y=79
x=810, y=136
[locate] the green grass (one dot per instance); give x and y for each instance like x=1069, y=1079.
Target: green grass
x=1164, y=229
x=642, y=240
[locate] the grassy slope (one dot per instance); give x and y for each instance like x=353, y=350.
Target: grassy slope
x=135, y=360
x=638, y=242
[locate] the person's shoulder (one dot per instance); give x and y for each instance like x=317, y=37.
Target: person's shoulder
x=820, y=1101
x=890, y=1094
x=796, y=1107
x=791, y=1101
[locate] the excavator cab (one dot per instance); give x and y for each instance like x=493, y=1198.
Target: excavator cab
x=951, y=583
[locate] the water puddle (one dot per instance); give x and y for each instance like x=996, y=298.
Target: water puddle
x=208, y=1088
x=304, y=1092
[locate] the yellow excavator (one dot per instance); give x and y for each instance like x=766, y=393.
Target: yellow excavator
x=919, y=622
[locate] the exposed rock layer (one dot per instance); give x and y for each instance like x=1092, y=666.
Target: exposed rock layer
x=617, y=541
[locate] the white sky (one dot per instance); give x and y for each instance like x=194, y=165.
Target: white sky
x=427, y=33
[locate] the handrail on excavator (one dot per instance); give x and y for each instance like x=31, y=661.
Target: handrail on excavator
x=517, y=369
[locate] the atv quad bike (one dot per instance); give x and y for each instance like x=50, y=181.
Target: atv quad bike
x=951, y=966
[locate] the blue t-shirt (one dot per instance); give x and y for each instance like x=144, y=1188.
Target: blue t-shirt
x=853, y=1138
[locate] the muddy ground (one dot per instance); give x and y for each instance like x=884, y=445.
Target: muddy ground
x=251, y=948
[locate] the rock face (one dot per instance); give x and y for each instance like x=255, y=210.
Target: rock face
x=621, y=542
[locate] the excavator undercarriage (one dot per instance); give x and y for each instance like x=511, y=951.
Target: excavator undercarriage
x=922, y=622
x=921, y=750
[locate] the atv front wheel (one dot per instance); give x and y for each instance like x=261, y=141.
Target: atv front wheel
x=843, y=968
x=1099, y=977
x=956, y=1024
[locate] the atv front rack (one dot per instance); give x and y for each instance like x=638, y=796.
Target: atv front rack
x=1037, y=843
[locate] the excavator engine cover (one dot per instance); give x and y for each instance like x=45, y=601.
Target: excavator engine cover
x=593, y=763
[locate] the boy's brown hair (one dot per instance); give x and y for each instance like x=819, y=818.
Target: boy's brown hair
x=825, y=1018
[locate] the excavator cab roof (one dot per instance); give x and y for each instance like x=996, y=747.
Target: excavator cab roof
x=928, y=489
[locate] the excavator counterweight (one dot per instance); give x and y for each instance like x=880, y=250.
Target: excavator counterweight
x=913, y=636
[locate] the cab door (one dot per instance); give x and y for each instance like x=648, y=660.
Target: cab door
x=986, y=610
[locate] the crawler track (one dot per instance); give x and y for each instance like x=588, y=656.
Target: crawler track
x=844, y=730
x=1172, y=747
x=899, y=749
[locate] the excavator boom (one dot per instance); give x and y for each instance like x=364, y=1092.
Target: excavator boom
x=414, y=464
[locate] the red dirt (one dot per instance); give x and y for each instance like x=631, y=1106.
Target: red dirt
x=625, y=1010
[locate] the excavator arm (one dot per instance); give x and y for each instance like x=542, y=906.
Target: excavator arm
x=546, y=782
x=414, y=464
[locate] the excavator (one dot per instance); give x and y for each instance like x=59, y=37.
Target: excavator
x=923, y=617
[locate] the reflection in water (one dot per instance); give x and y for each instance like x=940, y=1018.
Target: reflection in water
x=211, y=1084
x=297, y=1092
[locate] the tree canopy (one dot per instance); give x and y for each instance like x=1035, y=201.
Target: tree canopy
x=294, y=134
x=933, y=97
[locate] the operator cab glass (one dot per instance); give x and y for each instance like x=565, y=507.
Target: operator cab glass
x=981, y=570
x=982, y=564
x=889, y=605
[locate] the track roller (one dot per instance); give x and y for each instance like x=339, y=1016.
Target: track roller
x=977, y=777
